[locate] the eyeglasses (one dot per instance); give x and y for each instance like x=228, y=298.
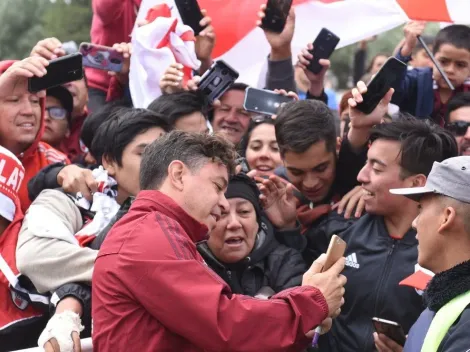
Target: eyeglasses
x=56, y=113
x=458, y=128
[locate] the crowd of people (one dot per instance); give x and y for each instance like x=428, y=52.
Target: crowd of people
x=191, y=226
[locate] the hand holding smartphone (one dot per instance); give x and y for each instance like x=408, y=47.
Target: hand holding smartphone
x=336, y=250
x=217, y=80
x=60, y=71
x=389, y=76
x=323, y=46
x=275, y=15
x=191, y=14
x=391, y=329
x=263, y=101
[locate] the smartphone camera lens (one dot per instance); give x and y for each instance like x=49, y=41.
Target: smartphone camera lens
x=328, y=37
x=224, y=72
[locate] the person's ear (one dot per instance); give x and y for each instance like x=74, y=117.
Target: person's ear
x=418, y=180
x=176, y=172
x=67, y=133
x=109, y=165
x=448, y=219
x=338, y=144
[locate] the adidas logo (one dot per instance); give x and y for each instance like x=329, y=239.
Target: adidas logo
x=351, y=260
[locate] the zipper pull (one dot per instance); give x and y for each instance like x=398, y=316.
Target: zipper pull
x=393, y=247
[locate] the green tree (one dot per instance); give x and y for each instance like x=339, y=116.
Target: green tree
x=21, y=26
x=68, y=20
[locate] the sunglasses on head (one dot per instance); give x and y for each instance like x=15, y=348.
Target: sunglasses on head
x=56, y=113
x=459, y=128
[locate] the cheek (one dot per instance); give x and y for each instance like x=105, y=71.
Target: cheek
x=251, y=156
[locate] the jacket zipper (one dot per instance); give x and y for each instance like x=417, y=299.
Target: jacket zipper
x=384, y=273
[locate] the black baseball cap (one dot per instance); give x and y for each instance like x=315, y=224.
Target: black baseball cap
x=64, y=96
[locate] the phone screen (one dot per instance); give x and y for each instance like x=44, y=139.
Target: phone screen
x=389, y=76
x=264, y=101
x=60, y=71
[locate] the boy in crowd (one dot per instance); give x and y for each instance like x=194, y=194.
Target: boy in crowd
x=59, y=107
x=423, y=91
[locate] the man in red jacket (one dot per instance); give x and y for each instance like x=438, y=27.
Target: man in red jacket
x=152, y=291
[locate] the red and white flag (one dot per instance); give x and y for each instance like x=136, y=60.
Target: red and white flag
x=243, y=45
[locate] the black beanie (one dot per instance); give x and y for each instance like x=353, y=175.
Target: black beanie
x=242, y=186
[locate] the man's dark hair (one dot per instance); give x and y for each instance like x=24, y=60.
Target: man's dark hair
x=458, y=101
x=114, y=135
x=176, y=105
x=422, y=143
x=193, y=149
x=95, y=119
x=457, y=35
x=301, y=124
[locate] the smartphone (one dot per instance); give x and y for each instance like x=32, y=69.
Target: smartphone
x=60, y=71
x=276, y=15
x=264, y=101
x=191, y=14
x=389, y=76
x=336, y=250
x=323, y=46
x=101, y=57
x=215, y=82
x=390, y=329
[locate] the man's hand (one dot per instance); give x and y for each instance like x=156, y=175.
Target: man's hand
x=280, y=42
x=330, y=283
x=172, y=80
x=278, y=201
x=126, y=50
x=14, y=81
x=316, y=80
x=353, y=200
x=385, y=344
x=412, y=30
x=49, y=48
x=205, y=43
x=74, y=179
x=361, y=123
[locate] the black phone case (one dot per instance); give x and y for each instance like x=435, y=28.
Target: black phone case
x=323, y=46
x=215, y=82
x=388, y=77
x=60, y=71
x=263, y=101
x=395, y=333
x=276, y=15
x=191, y=14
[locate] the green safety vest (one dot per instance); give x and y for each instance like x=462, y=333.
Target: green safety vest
x=443, y=320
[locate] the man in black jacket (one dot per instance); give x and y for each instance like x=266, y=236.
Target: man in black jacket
x=443, y=232
x=382, y=248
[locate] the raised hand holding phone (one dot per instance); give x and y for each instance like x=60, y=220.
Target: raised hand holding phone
x=280, y=42
x=14, y=81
